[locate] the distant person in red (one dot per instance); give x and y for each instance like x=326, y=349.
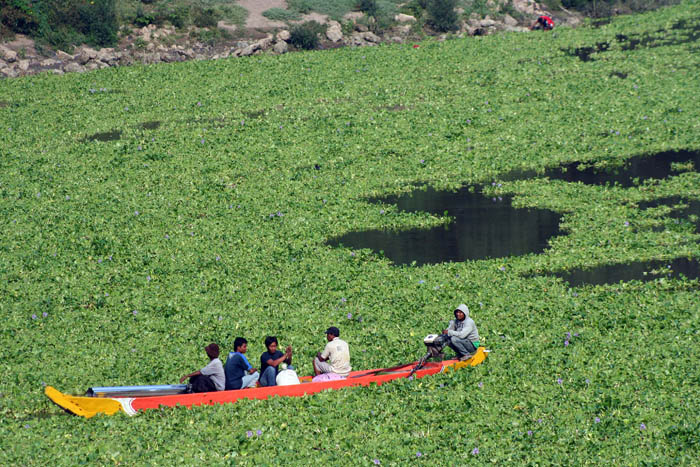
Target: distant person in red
x=544, y=23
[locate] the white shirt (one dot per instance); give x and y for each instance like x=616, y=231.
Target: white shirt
x=337, y=353
x=215, y=370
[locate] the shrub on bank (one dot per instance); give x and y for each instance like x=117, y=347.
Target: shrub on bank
x=442, y=15
x=305, y=35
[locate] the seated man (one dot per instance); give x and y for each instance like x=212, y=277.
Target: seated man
x=270, y=360
x=209, y=378
x=464, y=338
x=239, y=372
x=335, y=357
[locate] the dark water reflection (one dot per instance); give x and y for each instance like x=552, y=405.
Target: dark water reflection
x=483, y=227
x=640, y=271
x=681, y=208
x=153, y=125
x=633, y=171
x=113, y=135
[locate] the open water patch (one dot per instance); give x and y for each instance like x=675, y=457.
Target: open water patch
x=686, y=31
x=644, y=271
x=112, y=135
x=630, y=173
x=482, y=227
x=152, y=125
x=681, y=208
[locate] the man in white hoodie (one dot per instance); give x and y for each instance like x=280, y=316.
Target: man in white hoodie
x=464, y=338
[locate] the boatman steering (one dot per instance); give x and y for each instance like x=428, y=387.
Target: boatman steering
x=463, y=336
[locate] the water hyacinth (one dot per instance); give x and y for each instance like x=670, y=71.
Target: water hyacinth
x=475, y=451
x=258, y=432
x=596, y=420
x=249, y=434
x=349, y=315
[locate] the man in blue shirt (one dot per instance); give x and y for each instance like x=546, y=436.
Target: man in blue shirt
x=239, y=372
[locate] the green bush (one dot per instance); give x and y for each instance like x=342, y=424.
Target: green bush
x=142, y=18
x=205, y=17
x=442, y=15
x=63, y=23
x=17, y=16
x=280, y=14
x=369, y=7
x=305, y=36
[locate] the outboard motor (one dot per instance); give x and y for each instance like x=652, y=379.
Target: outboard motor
x=435, y=343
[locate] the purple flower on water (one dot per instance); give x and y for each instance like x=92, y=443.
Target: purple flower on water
x=481, y=385
x=249, y=434
x=502, y=268
x=202, y=141
x=44, y=314
x=588, y=381
x=220, y=318
x=475, y=451
x=167, y=237
x=494, y=200
x=33, y=316
x=126, y=108
x=627, y=223
x=410, y=378
x=422, y=161
x=575, y=294
x=376, y=461
x=139, y=147
x=218, y=258
x=642, y=426
x=529, y=432
x=381, y=211
x=418, y=454
x=359, y=319
x=134, y=312
x=148, y=278
x=566, y=343
x=279, y=214
x=99, y=260
x=559, y=381
x=349, y=315
x=575, y=334
x=352, y=253
x=343, y=299
x=38, y=195
x=271, y=216
x=568, y=335
x=199, y=104
x=421, y=281
x=27, y=425
x=67, y=197
x=617, y=133
x=110, y=257
x=539, y=420
x=597, y=420
x=136, y=213
x=259, y=432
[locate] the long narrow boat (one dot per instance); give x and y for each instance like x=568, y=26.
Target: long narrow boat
x=90, y=406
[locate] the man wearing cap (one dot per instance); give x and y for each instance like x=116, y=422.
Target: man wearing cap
x=209, y=378
x=464, y=338
x=335, y=357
